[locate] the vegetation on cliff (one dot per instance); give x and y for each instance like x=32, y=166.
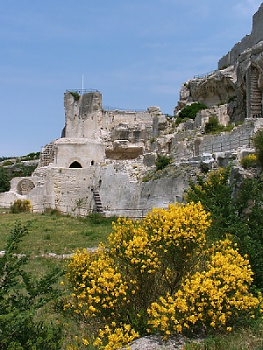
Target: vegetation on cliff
x=14, y=167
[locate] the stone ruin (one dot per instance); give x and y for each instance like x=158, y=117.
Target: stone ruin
x=238, y=82
x=102, y=158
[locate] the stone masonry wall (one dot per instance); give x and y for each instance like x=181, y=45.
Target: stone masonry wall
x=247, y=42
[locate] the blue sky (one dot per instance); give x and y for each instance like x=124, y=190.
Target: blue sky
x=137, y=53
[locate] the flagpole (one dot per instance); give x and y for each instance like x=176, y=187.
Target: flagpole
x=82, y=83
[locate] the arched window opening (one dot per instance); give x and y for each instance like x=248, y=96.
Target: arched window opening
x=25, y=186
x=75, y=165
x=92, y=162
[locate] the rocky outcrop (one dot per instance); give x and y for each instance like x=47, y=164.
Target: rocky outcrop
x=213, y=89
x=238, y=82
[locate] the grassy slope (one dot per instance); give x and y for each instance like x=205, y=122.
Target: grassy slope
x=54, y=233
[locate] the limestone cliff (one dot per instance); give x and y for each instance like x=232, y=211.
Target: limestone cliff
x=238, y=82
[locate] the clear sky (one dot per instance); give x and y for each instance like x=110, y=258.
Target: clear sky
x=137, y=53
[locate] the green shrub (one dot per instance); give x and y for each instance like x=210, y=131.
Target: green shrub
x=4, y=180
x=191, y=110
x=22, y=299
x=240, y=215
x=179, y=120
x=212, y=125
x=75, y=95
x=249, y=161
x=31, y=156
x=258, y=143
x=8, y=162
x=162, y=161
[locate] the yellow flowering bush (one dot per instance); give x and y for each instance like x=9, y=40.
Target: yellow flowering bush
x=165, y=244
x=249, y=161
x=20, y=206
x=158, y=274
x=114, y=337
x=99, y=290
x=213, y=298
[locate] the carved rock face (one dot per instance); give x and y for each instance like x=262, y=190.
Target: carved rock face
x=217, y=88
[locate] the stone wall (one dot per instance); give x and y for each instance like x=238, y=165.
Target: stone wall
x=188, y=144
x=122, y=197
x=87, y=152
x=247, y=42
x=86, y=118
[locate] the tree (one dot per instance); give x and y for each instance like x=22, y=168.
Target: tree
x=215, y=193
x=240, y=215
x=4, y=180
x=21, y=297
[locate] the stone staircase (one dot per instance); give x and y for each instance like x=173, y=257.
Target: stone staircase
x=256, y=96
x=47, y=155
x=99, y=207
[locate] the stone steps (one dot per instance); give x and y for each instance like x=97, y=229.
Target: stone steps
x=256, y=96
x=47, y=155
x=98, y=203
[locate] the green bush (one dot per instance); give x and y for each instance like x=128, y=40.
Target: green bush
x=4, y=180
x=258, y=143
x=75, y=95
x=8, y=163
x=162, y=161
x=191, y=110
x=180, y=120
x=22, y=299
x=31, y=156
x=212, y=125
x=240, y=215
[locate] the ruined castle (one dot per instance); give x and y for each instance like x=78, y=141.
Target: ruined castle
x=101, y=161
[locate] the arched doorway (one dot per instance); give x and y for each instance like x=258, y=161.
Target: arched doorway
x=75, y=164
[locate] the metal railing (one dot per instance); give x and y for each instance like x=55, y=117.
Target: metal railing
x=133, y=213
x=109, y=108
x=204, y=75
x=82, y=91
x=227, y=145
